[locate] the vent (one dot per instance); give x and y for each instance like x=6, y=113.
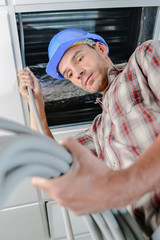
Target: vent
x=112, y=24
x=123, y=29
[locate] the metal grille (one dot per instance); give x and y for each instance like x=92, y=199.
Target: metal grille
x=112, y=24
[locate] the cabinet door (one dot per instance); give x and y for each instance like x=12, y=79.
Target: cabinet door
x=57, y=227
x=22, y=222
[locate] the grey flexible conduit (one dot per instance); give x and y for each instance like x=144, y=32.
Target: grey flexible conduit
x=28, y=153
x=24, y=65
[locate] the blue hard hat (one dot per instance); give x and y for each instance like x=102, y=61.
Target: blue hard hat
x=61, y=42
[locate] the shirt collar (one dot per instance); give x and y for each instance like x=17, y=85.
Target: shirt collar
x=113, y=72
x=116, y=69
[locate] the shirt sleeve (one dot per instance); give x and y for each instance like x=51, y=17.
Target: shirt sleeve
x=90, y=137
x=85, y=138
x=148, y=58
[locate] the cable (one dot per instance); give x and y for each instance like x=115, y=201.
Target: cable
x=102, y=226
x=65, y=214
x=19, y=151
x=127, y=233
x=113, y=225
x=131, y=223
x=67, y=223
x=92, y=227
x=40, y=127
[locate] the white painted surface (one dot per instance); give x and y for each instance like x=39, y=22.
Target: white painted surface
x=2, y=2
x=57, y=227
x=156, y=34
x=68, y=131
x=49, y=5
x=21, y=223
x=110, y=3
x=23, y=193
x=10, y=103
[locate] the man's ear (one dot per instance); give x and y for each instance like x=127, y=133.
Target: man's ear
x=101, y=47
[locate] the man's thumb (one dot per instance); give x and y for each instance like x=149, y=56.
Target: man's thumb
x=39, y=182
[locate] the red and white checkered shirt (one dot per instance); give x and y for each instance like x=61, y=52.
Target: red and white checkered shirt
x=130, y=120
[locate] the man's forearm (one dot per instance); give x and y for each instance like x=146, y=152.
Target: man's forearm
x=142, y=177
x=146, y=170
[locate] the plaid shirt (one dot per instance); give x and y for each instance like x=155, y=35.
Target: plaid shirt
x=130, y=121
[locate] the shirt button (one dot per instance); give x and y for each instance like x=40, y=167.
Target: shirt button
x=115, y=165
x=106, y=111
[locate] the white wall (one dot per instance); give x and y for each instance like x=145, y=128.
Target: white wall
x=10, y=102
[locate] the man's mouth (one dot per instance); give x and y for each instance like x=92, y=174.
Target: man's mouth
x=87, y=79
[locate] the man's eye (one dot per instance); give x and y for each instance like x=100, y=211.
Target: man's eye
x=70, y=74
x=80, y=59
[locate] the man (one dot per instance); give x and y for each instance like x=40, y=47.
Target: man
x=127, y=130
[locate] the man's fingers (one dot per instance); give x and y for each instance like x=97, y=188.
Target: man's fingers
x=30, y=72
x=72, y=145
x=23, y=71
x=24, y=84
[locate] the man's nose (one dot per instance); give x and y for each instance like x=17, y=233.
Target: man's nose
x=79, y=73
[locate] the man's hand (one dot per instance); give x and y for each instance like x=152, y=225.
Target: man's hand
x=26, y=79
x=88, y=185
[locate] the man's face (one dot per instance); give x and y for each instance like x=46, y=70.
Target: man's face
x=86, y=67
